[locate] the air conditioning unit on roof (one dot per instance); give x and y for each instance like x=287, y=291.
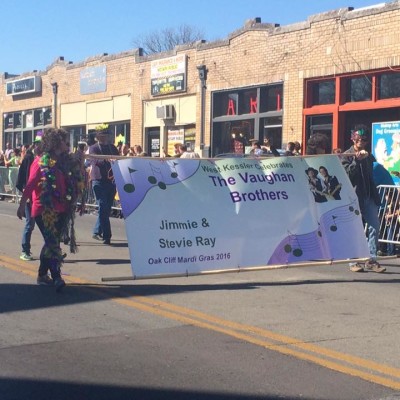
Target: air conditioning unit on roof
x=165, y=112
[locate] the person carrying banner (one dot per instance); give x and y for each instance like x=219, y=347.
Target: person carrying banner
x=318, y=143
x=103, y=184
x=359, y=167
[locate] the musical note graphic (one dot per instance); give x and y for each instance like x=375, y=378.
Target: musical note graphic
x=333, y=227
x=355, y=211
x=297, y=252
x=174, y=174
x=319, y=230
x=153, y=180
x=130, y=187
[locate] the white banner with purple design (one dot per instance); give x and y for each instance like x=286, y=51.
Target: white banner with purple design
x=191, y=215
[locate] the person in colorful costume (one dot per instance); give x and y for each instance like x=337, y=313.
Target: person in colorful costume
x=54, y=185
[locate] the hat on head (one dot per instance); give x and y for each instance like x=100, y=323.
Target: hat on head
x=359, y=131
x=38, y=137
x=102, y=129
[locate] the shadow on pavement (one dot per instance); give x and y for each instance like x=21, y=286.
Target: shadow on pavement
x=17, y=297
x=12, y=389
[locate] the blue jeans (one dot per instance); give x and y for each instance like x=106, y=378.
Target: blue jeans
x=369, y=211
x=28, y=229
x=104, y=192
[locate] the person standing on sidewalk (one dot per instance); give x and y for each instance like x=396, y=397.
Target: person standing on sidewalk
x=103, y=184
x=13, y=164
x=54, y=184
x=359, y=167
x=23, y=175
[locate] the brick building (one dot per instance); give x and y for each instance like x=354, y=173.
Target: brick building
x=327, y=73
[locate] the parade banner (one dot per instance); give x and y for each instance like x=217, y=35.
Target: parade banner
x=185, y=216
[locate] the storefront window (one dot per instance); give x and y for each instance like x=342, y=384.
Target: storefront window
x=190, y=137
x=389, y=86
x=8, y=121
x=38, y=117
x=18, y=120
x=359, y=89
x=323, y=92
x=272, y=129
x=320, y=124
x=121, y=132
x=27, y=137
x=232, y=136
x=248, y=101
x=77, y=134
x=18, y=139
x=28, y=120
x=225, y=103
x=243, y=114
x=271, y=98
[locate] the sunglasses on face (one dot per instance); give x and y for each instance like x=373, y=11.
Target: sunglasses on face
x=361, y=140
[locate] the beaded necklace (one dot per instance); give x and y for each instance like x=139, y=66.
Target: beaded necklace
x=49, y=191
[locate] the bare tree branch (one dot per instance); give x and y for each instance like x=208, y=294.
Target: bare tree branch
x=167, y=38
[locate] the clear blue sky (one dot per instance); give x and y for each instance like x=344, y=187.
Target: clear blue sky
x=35, y=32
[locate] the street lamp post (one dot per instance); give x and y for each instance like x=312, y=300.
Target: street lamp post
x=55, y=91
x=203, y=79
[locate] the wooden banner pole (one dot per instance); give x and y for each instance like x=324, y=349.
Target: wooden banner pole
x=239, y=269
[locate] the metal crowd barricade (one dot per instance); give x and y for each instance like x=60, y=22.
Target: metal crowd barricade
x=91, y=205
x=8, y=180
x=3, y=181
x=389, y=216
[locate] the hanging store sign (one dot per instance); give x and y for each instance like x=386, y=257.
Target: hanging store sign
x=168, y=75
x=31, y=84
x=93, y=80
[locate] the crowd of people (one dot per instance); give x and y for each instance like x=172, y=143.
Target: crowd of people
x=11, y=158
x=51, y=182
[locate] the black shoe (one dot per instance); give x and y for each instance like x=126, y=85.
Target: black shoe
x=106, y=241
x=59, y=284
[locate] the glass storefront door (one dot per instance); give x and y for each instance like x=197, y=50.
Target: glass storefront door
x=320, y=124
x=232, y=136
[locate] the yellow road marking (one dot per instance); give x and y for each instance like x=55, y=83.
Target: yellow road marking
x=337, y=361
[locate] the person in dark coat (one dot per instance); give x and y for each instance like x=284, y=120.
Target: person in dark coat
x=359, y=167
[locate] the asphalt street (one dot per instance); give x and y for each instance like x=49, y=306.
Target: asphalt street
x=301, y=333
